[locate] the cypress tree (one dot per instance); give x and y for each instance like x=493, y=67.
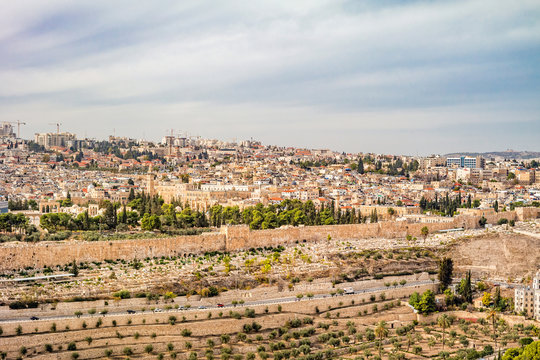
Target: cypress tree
x=446, y=267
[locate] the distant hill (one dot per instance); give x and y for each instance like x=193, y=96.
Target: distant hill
x=508, y=154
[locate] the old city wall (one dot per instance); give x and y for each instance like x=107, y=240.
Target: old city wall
x=51, y=253
x=230, y=238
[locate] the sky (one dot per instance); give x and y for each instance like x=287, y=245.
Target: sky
x=394, y=77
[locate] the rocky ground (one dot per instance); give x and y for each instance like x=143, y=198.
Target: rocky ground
x=500, y=252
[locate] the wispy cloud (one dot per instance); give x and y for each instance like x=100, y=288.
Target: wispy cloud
x=269, y=68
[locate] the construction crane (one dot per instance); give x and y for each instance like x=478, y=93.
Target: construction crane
x=57, y=127
x=18, y=123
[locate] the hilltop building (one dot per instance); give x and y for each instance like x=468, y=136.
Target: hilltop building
x=477, y=162
x=527, y=299
x=49, y=140
x=6, y=130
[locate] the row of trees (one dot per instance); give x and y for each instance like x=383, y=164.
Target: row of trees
x=288, y=212
x=446, y=205
x=19, y=204
x=10, y=222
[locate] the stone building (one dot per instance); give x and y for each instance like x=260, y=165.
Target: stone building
x=527, y=299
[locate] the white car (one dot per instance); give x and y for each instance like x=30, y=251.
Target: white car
x=158, y=310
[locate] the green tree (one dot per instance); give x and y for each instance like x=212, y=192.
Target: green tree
x=360, y=167
x=446, y=268
x=74, y=268
x=465, y=288
x=493, y=317
x=381, y=331
x=427, y=303
x=425, y=232
x=444, y=322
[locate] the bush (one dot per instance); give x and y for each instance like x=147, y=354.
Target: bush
x=72, y=346
x=185, y=332
x=122, y=294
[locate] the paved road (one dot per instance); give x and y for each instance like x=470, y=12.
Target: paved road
x=280, y=300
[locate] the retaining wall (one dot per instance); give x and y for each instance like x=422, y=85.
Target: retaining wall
x=16, y=255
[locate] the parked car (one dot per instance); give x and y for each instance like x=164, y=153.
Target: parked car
x=220, y=305
x=34, y=318
x=158, y=310
x=202, y=307
x=131, y=311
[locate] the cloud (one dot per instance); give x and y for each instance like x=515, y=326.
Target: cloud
x=311, y=67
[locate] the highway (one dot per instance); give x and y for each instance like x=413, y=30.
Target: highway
x=280, y=300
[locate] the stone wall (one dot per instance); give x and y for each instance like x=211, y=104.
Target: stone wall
x=16, y=255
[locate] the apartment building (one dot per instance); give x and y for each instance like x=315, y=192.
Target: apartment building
x=466, y=162
x=527, y=299
x=55, y=139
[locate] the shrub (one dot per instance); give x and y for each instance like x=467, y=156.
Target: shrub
x=48, y=348
x=127, y=351
x=148, y=348
x=108, y=352
x=186, y=332
x=72, y=346
x=122, y=294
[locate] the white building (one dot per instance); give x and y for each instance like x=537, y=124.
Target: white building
x=527, y=299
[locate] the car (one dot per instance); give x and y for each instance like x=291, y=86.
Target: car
x=202, y=307
x=34, y=318
x=158, y=310
x=182, y=308
x=220, y=305
x=131, y=311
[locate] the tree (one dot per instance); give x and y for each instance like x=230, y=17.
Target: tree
x=74, y=268
x=482, y=222
x=486, y=299
x=414, y=299
x=150, y=222
x=425, y=232
x=360, y=167
x=444, y=322
x=465, y=288
x=496, y=206
x=446, y=267
x=497, y=298
x=493, y=317
x=381, y=331
x=427, y=303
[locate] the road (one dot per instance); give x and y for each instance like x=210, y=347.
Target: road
x=280, y=300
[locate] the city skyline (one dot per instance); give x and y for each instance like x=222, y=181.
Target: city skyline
x=415, y=78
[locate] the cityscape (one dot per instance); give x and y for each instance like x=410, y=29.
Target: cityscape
x=310, y=181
